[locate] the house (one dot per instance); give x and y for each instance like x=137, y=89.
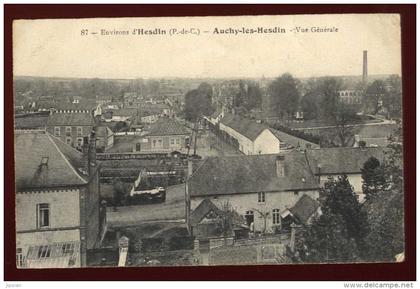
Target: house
x=104, y=138
x=58, y=216
x=208, y=221
x=122, y=114
x=148, y=117
x=258, y=187
x=71, y=126
x=103, y=99
x=165, y=135
x=333, y=162
x=302, y=212
x=288, y=141
x=252, y=138
x=215, y=117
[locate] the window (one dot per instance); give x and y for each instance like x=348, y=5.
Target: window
x=276, y=216
x=68, y=130
x=79, y=141
x=261, y=197
x=68, y=140
x=19, y=258
x=57, y=131
x=178, y=141
x=79, y=131
x=44, y=252
x=138, y=147
x=172, y=141
x=43, y=215
x=249, y=217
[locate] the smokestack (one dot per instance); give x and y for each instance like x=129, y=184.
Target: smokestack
x=280, y=166
x=365, y=67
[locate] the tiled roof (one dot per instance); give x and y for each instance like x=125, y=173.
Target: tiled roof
x=70, y=119
x=246, y=127
x=342, y=160
x=304, y=208
x=84, y=104
x=247, y=174
x=125, y=112
x=31, y=148
x=292, y=140
x=31, y=122
x=166, y=126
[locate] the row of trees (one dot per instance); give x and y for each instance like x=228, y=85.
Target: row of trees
x=385, y=95
x=348, y=231
x=88, y=88
x=198, y=102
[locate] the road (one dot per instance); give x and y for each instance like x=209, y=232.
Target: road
x=172, y=210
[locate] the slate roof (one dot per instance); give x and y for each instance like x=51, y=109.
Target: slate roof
x=342, y=160
x=304, y=208
x=70, y=119
x=246, y=127
x=292, y=140
x=253, y=173
x=30, y=148
x=166, y=126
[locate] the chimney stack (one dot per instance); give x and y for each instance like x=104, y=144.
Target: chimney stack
x=365, y=67
x=280, y=166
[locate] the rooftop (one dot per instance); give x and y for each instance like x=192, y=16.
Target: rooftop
x=304, y=208
x=254, y=173
x=292, y=140
x=246, y=127
x=42, y=160
x=341, y=160
x=166, y=126
x=70, y=119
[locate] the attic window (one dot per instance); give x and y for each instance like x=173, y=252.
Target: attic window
x=44, y=161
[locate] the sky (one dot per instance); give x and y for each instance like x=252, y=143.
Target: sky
x=57, y=48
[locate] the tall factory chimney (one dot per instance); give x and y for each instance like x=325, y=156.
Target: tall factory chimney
x=365, y=67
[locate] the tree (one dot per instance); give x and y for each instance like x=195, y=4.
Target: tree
x=344, y=116
x=326, y=241
x=386, y=209
x=374, y=94
x=392, y=99
x=284, y=95
x=337, y=234
x=119, y=192
x=373, y=177
x=198, y=102
x=254, y=96
x=329, y=88
x=340, y=199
